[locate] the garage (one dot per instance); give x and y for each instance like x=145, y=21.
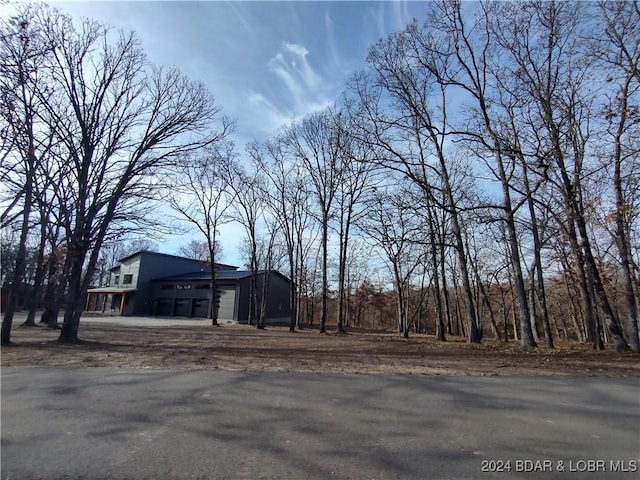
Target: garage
x=227, y=303
x=189, y=294
x=200, y=307
x=165, y=307
x=182, y=307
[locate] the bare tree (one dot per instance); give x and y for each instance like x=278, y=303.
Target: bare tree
x=357, y=181
x=268, y=257
x=413, y=128
x=118, y=121
x=200, y=197
x=542, y=42
x=618, y=49
x=22, y=52
x=315, y=142
x=457, y=52
x=288, y=203
x=391, y=221
x=199, y=250
x=246, y=185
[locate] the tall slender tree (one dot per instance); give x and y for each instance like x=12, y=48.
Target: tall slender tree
x=357, y=172
x=393, y=224
x=542, y=40
x=618, y=51
x=245, y=182
x=22, y=53
x=316, y=143
x=200, y=196
x=288, y=203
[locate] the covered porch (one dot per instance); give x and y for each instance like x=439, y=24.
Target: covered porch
x=116, y=298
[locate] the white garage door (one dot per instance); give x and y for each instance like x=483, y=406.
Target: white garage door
x=227, y=310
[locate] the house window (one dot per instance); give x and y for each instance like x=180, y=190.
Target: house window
x=116, y=280
x=127, y=279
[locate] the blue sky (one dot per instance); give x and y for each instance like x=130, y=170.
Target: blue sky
x=266, y=62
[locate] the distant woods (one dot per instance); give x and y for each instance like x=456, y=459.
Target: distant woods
x=477, y=178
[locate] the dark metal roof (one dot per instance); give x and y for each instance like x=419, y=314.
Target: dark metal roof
x=206, y=275
x=220, y=275
x=149, y=252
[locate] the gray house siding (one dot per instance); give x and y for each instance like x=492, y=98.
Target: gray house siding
x=154, y=266
x=277, y=310
x=128, y=269
x=126, y=274
x=129, y=303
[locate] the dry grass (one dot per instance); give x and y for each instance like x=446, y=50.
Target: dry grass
x=238, y=347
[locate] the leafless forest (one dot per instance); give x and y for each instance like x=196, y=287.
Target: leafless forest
x=477, y=177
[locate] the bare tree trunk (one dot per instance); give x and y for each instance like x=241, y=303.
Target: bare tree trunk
x=39, y=277
x=445, y=289
x=537, y=258
x=440, y=323
x=609, y=317
x=214, y=296
x=264, y=297
x=343, y=237
x=460, y=330
x=74, y=302
x=514, y=315
x=597, y=339
x=18, y=271
x=505, y=313
x=293, y=292
x=56, y=284
x=325, y=273
x=403, y=323
x=472, y=318
x=622, y=237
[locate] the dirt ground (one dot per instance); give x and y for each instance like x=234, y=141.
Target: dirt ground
x=197, y=345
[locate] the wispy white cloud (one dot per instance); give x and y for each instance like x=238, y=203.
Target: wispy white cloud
x=393, y=16
x=255, y=99
x=241, y=15
x=302, y=88
x=309, y=76
x=380, y=19
x=331, y=38
x=290, y=64
x=399, y=15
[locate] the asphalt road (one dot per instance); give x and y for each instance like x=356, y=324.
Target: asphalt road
x=104, y=423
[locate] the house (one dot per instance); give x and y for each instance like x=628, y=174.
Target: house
x=157, y=284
